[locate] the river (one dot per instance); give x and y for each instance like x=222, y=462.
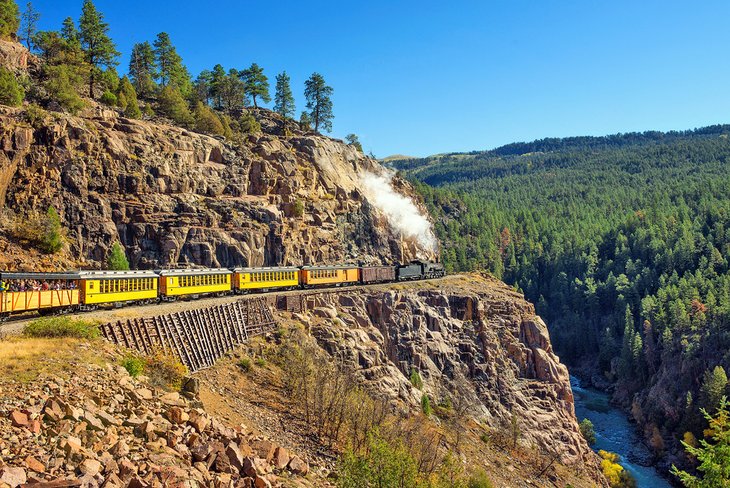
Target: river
x=616, y=434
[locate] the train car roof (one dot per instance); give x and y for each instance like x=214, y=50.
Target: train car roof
x=270, y=268
x=39, y=276
x=339, y=266
x=193, y=272
x=103, y=275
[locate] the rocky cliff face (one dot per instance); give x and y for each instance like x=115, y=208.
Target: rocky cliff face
x=172, y=196
x=474, y=341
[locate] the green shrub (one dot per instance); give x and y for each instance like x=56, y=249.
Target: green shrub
x=61, y=86
x=35, y=116
x=131, y=105
x=108, y=98
x=249, y=124
x=134, y=365
x=415, y=378
x=381, y=464
x=61, y=327
x=117, y=258
x=110, y=80
x=52, y=239
x=260, y=362
x=11, y=92
x=165, y=370
x=479, y=480
x=173, y=105
x=298, y=210
x=586, y=429
x=206, y=121
x=426, y=405
x=245, y=364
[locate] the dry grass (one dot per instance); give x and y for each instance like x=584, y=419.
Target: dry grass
x=24, y=359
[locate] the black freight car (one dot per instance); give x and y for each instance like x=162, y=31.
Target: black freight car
x=377, y=274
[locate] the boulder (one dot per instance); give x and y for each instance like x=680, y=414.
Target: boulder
x=19, y=419
x=13, y=476
x=298, y=466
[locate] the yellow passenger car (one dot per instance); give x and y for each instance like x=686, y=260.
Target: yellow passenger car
x=246, y=279
x=330, y=275
x=186, y=282
x=24, y=292
x=99, y=287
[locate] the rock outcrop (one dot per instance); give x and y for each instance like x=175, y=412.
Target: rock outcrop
x=104, y=428
x=176, y=197
x=475, y=341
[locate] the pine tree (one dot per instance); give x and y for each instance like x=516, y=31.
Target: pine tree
x=319, y=102
x=142, y=69
x=353, y=140
x=217, y=80
x=627, y=346
x=127, y=90
x=713, y=388
x=257, y=84
x=305, y=123
x=97, y=45
x=713, y=455
x=231, y=92
x=171, y=69
x=69, y=31
x=202, y=85
x=28, y=23
x=9, y=18
x=117, y=258
x=283, y=99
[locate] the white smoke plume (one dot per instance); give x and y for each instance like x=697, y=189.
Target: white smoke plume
x=402, y=213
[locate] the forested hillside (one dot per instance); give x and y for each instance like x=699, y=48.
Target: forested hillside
x=622, y=242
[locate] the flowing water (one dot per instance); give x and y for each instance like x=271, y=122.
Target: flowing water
x=616, y=434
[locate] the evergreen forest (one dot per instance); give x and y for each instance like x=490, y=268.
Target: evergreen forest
x=623, y=244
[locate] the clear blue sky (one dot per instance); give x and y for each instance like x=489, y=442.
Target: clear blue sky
x=423, y=77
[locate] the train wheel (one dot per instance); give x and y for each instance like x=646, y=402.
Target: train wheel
x=4, y=317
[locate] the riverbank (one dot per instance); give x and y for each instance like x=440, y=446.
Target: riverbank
x=616, y=434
